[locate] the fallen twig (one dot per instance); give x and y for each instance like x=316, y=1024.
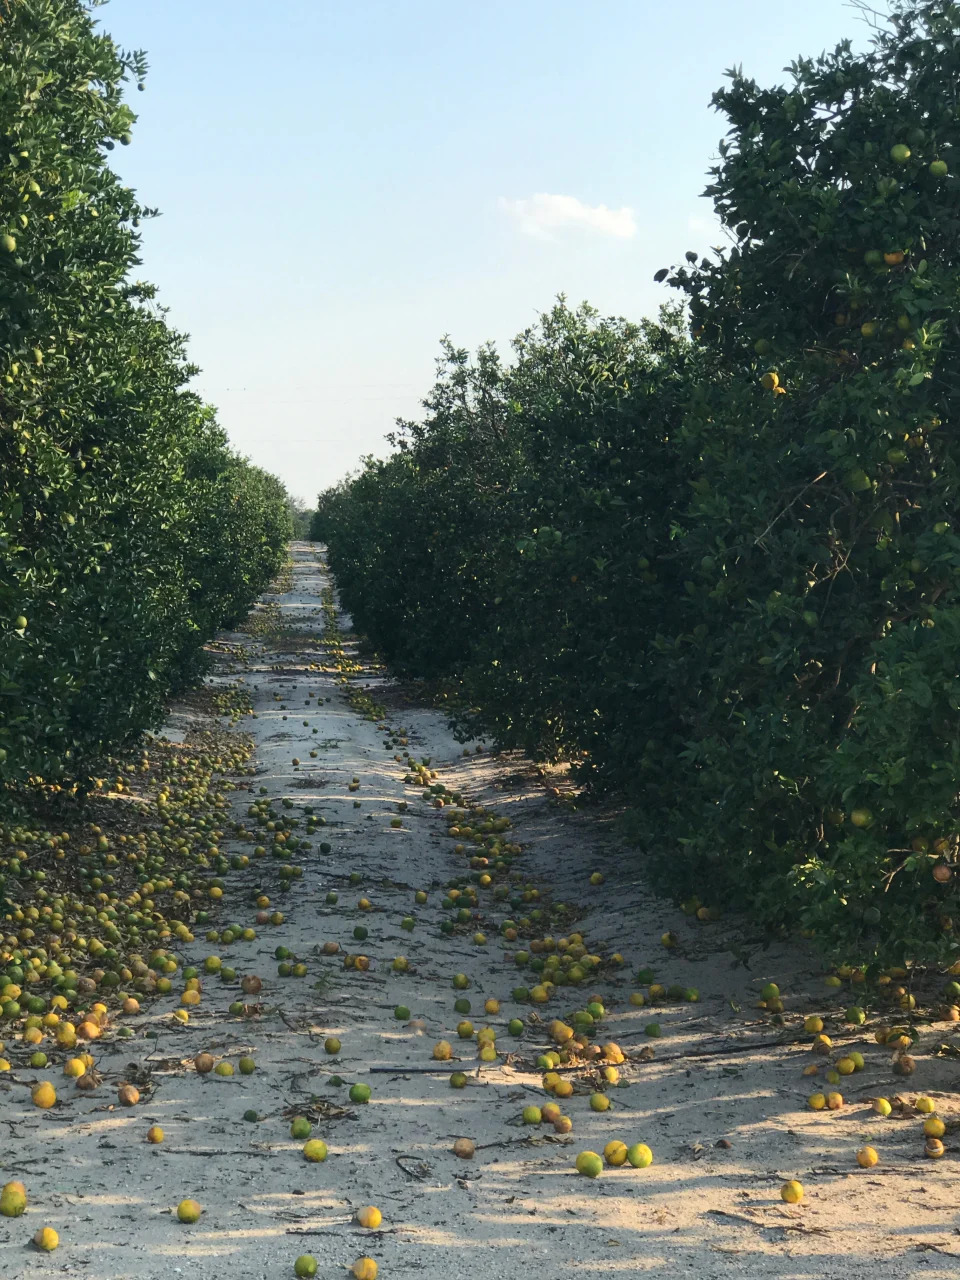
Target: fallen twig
x=748, y=1048
x=439, y=1069
x=215, y=1151
x=283, y=1017
x=736, y=1217
x=531, y=1140
x=421, y=1172
x=326, y=1231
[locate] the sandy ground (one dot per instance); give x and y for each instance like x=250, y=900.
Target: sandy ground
x=700, y=1210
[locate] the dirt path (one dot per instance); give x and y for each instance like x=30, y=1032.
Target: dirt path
x=701, y=1209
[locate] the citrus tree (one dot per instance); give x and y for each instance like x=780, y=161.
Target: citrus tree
x=506, y=545
x=559, y=667
x=116, y=487
x=719, y=569
x=396, y=532
x=819, y=543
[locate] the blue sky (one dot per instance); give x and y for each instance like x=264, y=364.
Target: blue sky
x=343, y=183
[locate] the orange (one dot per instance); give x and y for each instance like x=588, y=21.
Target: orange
x=640, y=1155
x=13, y=1199
x=43, y=1095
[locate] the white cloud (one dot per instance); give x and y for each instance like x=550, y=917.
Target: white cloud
x=541, y=214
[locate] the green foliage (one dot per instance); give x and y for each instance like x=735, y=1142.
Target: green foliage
x=301, y=518
x=128, y=529
x=818, y=539
x=508, y=542
x=721, y=575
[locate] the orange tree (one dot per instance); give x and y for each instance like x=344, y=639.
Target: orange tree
x=234, y=533
x=416, y=584
x=724, y=579
x=559, y=665
x=507, y=544
x=815, y=671
x=113, y=477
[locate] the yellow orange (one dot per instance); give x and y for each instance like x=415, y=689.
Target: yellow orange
x=46, y=1239
x=188, y=1211
x=43, y=1095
